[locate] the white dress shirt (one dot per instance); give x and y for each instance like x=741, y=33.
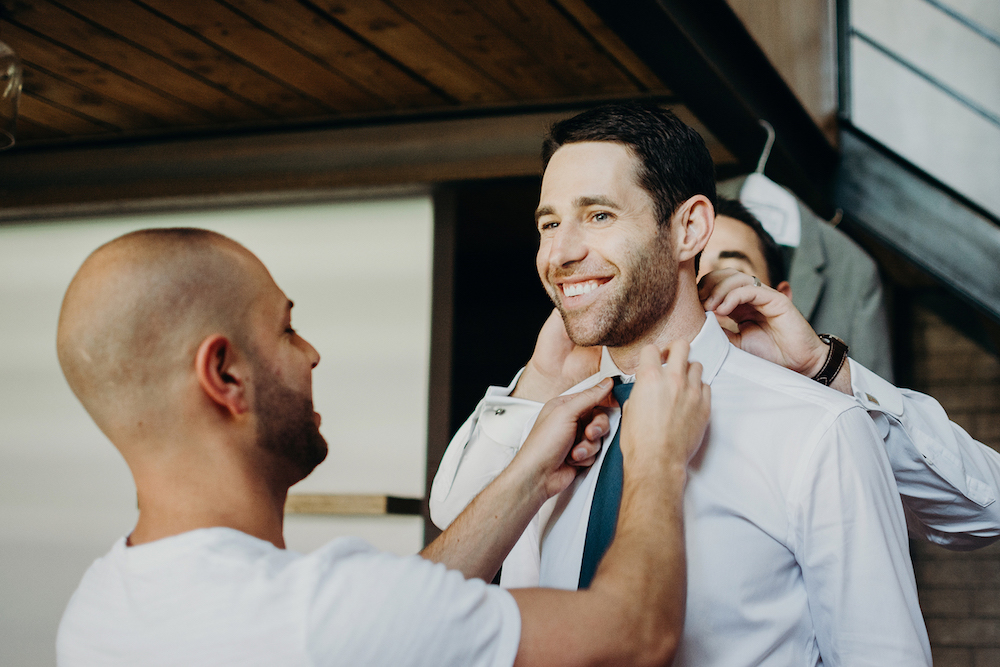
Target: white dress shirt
x=949, y=482
x=796, y=538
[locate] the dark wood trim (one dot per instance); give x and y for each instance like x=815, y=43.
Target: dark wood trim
x=84, y=179
x=908, y=211
x=844, y=58
x=442, y=331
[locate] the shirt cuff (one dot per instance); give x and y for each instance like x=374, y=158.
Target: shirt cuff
x=873, y=393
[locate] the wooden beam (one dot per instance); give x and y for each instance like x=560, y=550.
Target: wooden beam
x=921, y=219
x=114, y=177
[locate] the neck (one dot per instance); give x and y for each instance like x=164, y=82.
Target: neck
x=683, y=321
x=187, y=493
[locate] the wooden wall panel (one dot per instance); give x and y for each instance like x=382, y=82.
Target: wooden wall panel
x=311, y=30
x=48, y=114
x=499, y=55
x=442, y=66
x=573, y=55
x=611, y=43
x=71, y=95
x=167, y=66
x=258, y=46
x=37, y=52
x=84, y=38
x=799, y=38
x=168, y=41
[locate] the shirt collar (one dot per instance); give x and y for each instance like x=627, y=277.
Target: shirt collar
x=710, y=348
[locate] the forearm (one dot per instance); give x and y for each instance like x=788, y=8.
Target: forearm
x=949, y=482
x=480, y=538
x=646, y=560
x=633, y=612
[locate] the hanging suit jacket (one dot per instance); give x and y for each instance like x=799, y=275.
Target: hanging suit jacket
x=836, y=286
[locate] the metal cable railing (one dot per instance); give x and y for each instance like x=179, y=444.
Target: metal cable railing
x=986, y=33
x=933, y=80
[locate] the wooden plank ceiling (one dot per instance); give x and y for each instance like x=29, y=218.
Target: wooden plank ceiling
x=139, y=68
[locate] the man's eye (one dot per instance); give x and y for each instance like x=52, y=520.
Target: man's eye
x=548, y=225
x=602, y=216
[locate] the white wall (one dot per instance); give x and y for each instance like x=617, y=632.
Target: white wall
x=360, y=275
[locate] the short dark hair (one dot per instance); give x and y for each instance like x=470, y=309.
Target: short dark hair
x=673, y=162
x=775, y=261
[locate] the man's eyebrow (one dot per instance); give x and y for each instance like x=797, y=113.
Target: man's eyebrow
x=542, y=210
x=580, y=202
x=734, y=254
x=596, y=200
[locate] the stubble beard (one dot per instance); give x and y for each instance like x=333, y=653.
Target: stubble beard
x=645, y=295
x=287, y=426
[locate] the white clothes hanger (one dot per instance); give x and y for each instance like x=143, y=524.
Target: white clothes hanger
x=775, y=207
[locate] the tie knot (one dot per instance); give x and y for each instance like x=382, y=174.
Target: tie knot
x=621, y=391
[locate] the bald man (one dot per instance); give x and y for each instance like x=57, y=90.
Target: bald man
x=180, y=346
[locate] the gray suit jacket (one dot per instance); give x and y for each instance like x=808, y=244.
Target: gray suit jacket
x=836, y=286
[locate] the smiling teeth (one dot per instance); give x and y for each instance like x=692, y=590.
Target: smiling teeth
x=576, y=289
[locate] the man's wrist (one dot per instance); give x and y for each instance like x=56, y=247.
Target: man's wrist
x=534, y=386
x=833, y=361
x=817, y=357
x=525, y=480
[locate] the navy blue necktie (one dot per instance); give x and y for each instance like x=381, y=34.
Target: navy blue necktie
x=607, y=498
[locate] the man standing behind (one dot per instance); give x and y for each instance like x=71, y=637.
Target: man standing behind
x=796, y=540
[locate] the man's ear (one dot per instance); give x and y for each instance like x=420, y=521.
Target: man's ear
x=785, y=288
x=692, y=225
x=220, y=376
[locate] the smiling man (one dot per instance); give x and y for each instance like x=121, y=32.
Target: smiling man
x=796, y=539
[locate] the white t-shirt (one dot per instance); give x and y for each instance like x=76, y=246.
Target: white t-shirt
x=217, y=596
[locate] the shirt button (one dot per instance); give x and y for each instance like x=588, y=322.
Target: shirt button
x=499, y=411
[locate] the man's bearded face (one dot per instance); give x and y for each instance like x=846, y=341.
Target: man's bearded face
x=604, y=260
x=287, y=424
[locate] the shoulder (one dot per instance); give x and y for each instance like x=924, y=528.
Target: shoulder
x=746, y=373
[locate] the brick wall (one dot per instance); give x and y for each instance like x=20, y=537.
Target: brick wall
x=959, y=592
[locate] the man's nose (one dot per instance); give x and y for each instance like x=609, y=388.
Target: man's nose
x=568, y=245
x=312, y=352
